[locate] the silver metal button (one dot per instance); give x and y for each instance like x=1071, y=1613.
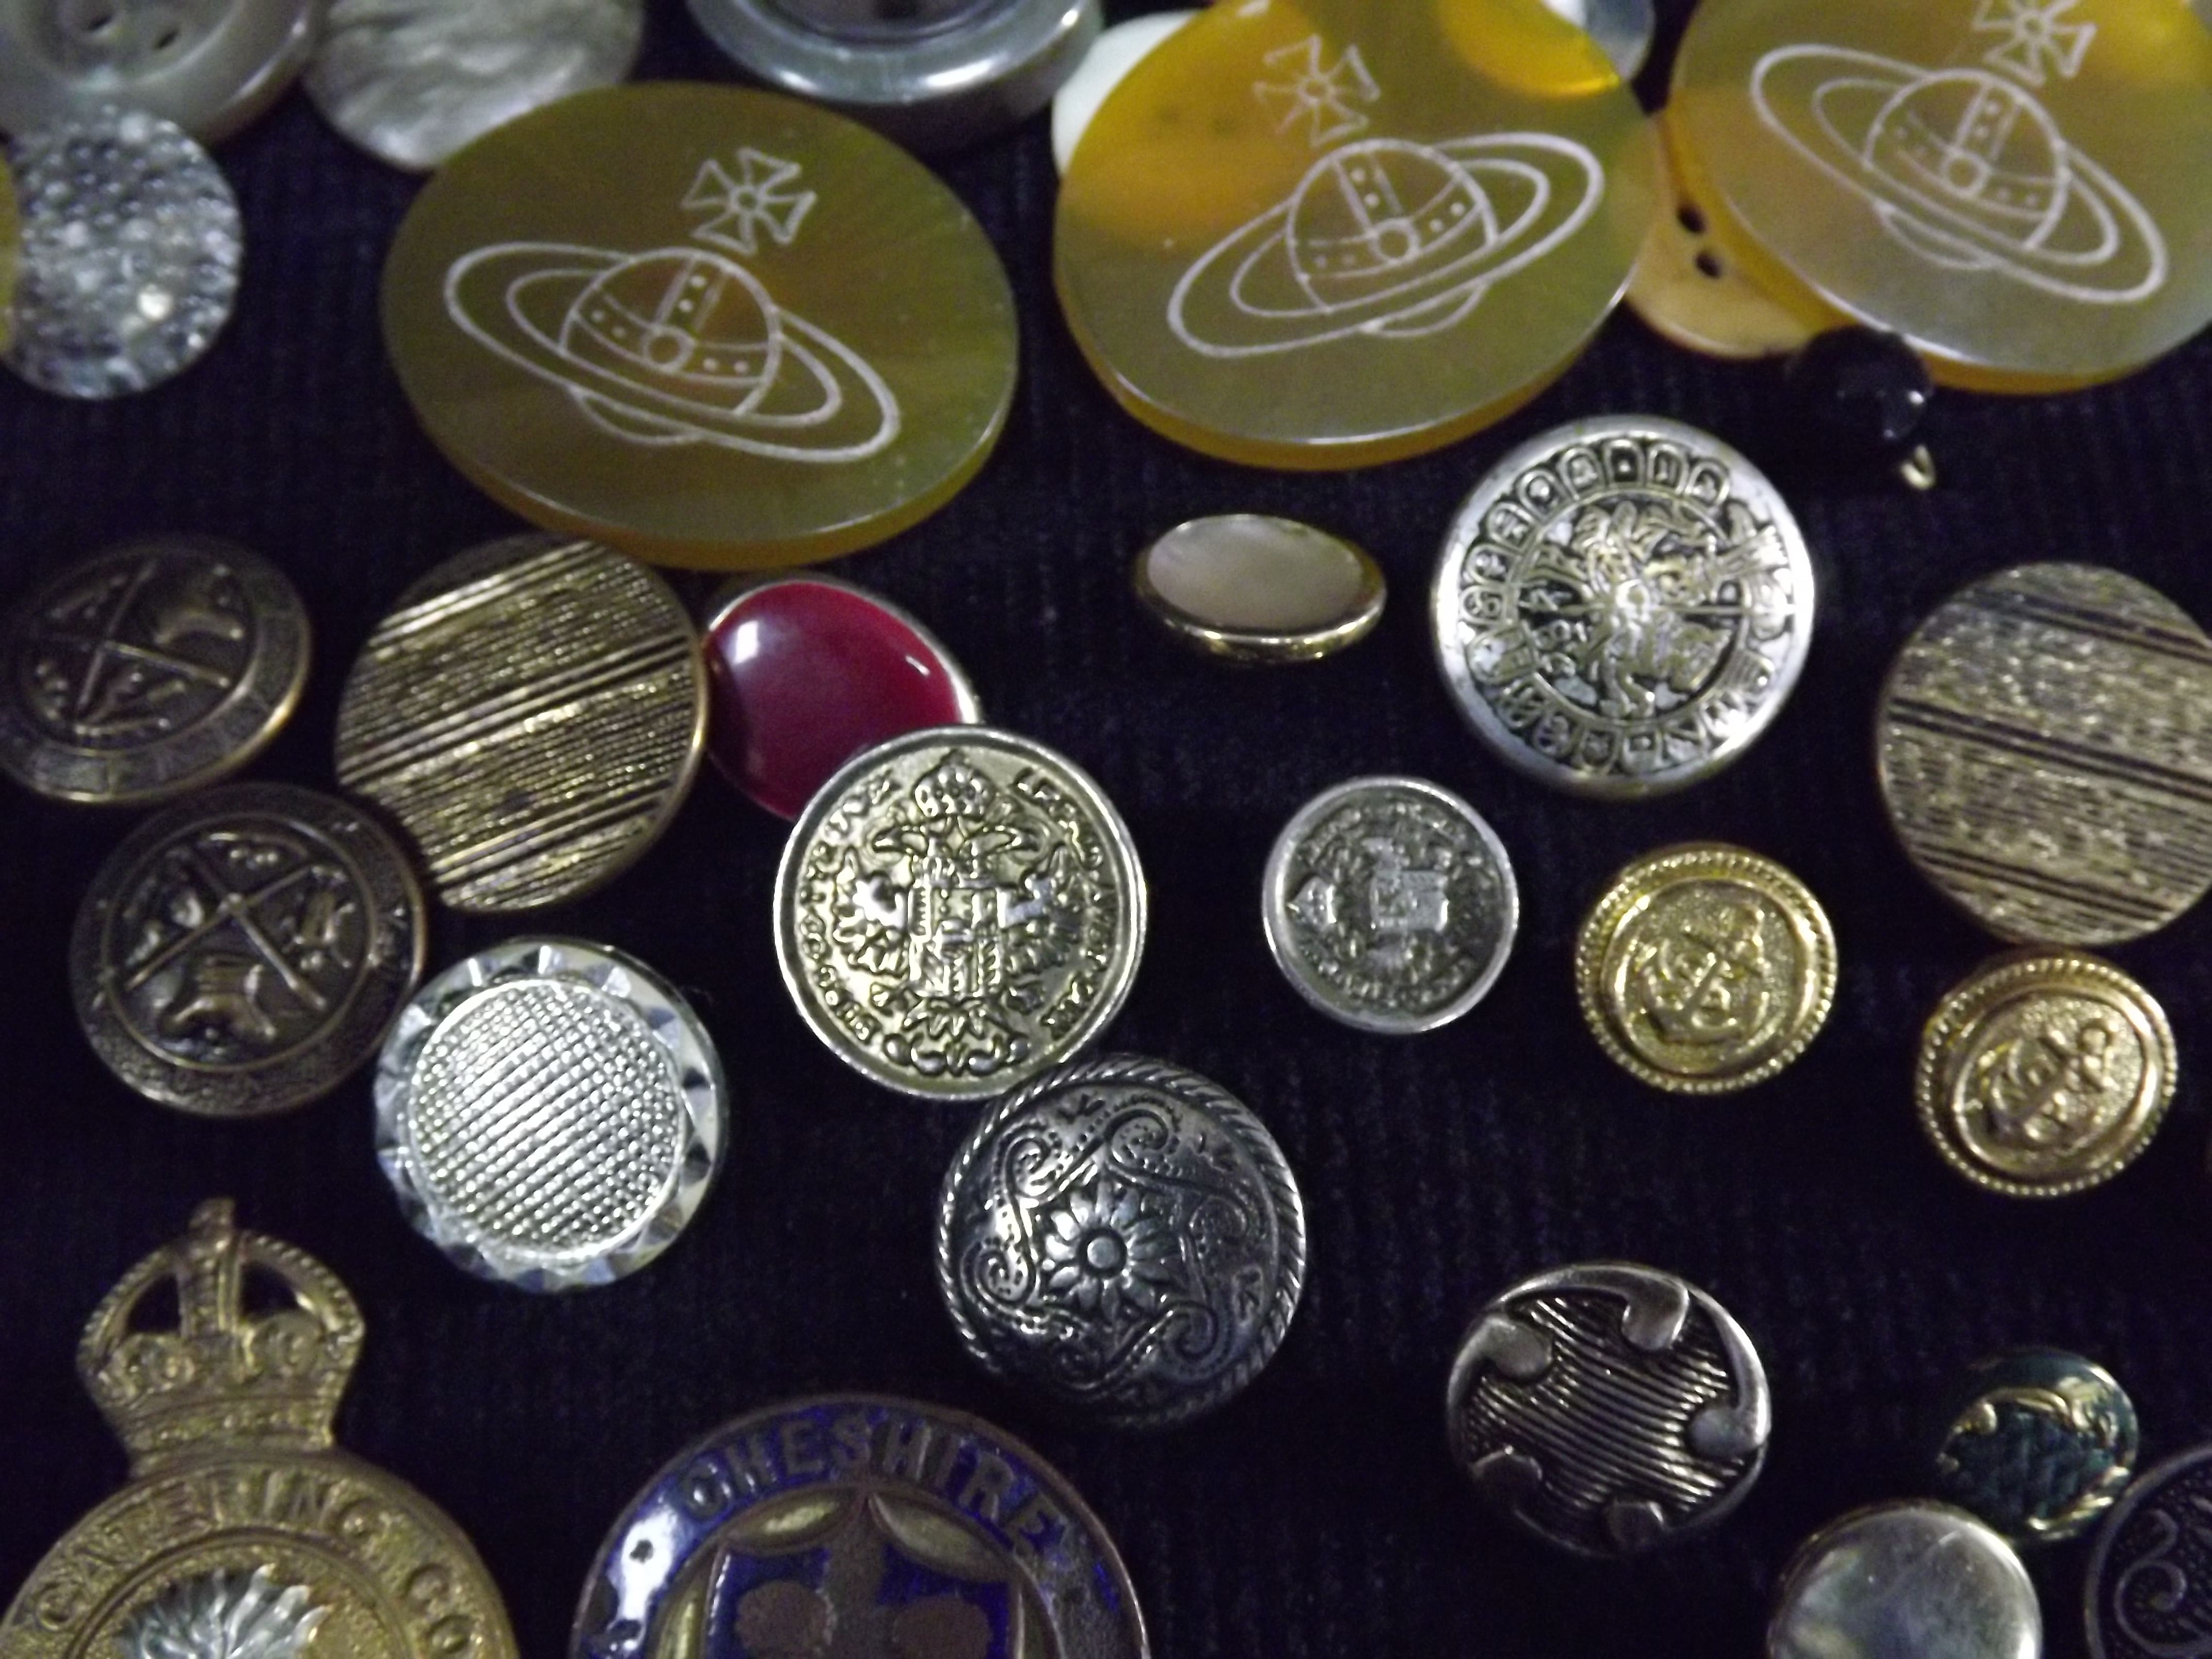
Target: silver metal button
x=1609, y=1409
x=551, y=1113
x=1124, y=1238
x=1905, y=1581
x=131, y=244
x=2150, y=1575
x=932, y=75
x=1623, y=607
x=412, y=81
x=209, y=65
x=1389, y=904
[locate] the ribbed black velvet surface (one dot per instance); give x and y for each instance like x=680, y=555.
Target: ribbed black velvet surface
x=1318, y=1515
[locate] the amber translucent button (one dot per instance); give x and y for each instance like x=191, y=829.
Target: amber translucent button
x=2021, y=188
x=1350, y=230
x=707, y=326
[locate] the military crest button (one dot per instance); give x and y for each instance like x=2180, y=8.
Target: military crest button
x=131, y=244
x=243, y=1530
x=242, y=953
x=958, y=910
x=1389, y=904
x=531, y=713
x=1124, y=1239
x=2017, y=188
x=1343, y=232
x=2044, y=746
x=211, y=66
x=1623, y=607
x=148, y=670
x=413, y=80
x=2037, y=1442
x=638, y=315
x=1258, y=589
x=1704, y=969
x=2044, y=1073
x=2150, y=1573
x=1905, y=1579
x=1609, y=1409
x=858, y=1524
x=551, y=1113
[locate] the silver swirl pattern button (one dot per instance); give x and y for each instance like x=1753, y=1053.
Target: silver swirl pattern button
x=551, y=1113
x=1623, y=606
x=1389, y=904
x=1609, y=1409
x=131, y=243
x=412, y=81
x=958, y=909
x=209, y=65
x=2150, y=1575
x=1124, y=1238
x=1910, y=1580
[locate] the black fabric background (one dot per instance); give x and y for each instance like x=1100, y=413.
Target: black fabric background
x=1318, y=1515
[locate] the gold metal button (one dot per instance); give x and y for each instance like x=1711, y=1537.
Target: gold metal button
x=533, y=715
x=2045, y=1072
x=1705, y=968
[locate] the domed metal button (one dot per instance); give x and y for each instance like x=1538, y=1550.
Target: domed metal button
x=958, y=910
x=1389, y=904
x=2044, y=1073
x=533, y=715
x=1609, y=1409
x=1623, y=607
x=148, y=670
x=413, y=80
x=806, y=671
x=209, y=65
x=2045, y=747
x=1704, y=969
x=1258, y=589
x=893, y=1527
x=2150, y=1575
x=551, y=1113
x=1124, y=1238
x=2037, y=1442
x=131, y=244
x=1905, y=1581
x=931, y=75
x=243, y=953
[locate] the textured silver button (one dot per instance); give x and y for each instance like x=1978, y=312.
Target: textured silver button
x=130, y=248
x=932, y=74
x=1623, y=607
x=1390, y=904
x=209, y=65
x=550, y=1113
x=2150, y=1575
x=412, y=81
x=1124, y=1238
x=1906, y=1581
x=1609, y=1408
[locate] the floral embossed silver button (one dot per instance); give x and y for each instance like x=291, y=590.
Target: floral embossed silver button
x=1390, y=904
x=1623, y=607
x=958, y=909
x=551, y=1113
x=209, y=65
x=1609, y=1409
x=1124, y=1238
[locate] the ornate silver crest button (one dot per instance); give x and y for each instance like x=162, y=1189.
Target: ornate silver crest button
x=243, y=953
x=1609, y=1409
x=551, y=1113
x=148, y=670
x=209, y=65
x=1124, y=1238
x=1905, y=1581
x=958, y=911
x=1623, y=607
x=1390, y=904
x=2150, y=1575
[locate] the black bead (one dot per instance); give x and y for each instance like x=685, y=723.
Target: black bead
x=1859, y=391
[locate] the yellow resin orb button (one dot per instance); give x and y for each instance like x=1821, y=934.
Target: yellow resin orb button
x=1350, y=230
x=710, y=327
x=2022, y=188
